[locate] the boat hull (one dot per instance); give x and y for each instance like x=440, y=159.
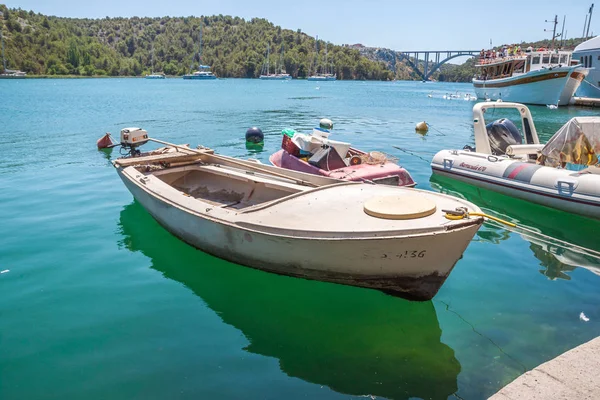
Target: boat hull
x=321, y=78
x=413, y=267
x=551, y=187
x=547, y=86
x=200, y=78
x=275, y=77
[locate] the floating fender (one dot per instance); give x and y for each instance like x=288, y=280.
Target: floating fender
x=105, y=142
x=254, y=135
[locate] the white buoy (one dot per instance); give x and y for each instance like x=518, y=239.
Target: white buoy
x=421, y=127
x=325, y=123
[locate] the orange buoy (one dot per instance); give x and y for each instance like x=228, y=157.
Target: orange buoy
x=422, y=127
x=355, y=160
x=105, y=142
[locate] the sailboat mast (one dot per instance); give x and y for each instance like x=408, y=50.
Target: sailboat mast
x=326, y=65
x=316, y=53
x=268, y=54
x=152, y=58
x=281, y=62
x=200, y=50
x=3, y=59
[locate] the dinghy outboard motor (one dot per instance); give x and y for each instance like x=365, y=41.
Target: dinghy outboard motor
x=501, y=134
x=132, y=138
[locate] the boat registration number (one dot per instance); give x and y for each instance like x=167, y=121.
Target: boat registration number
x=411, y=254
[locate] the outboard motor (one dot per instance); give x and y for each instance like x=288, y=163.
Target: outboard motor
x=501, y=134
x=132, y=138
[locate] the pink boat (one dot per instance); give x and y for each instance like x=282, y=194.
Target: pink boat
x=356, y=165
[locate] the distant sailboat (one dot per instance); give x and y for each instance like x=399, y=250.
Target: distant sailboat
x=323, y=76
x=204, y=71
x=8, y=73
x=280, y=73
x=154, y=75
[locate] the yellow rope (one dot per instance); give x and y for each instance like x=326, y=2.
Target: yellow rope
x=461, y=213
x=478, y=214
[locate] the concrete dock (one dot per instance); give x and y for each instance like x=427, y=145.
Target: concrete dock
x=586, y=102
x=572, y=375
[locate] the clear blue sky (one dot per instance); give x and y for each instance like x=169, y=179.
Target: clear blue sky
x=414, y=25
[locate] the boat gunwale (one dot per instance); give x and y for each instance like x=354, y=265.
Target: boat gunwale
x=450, y=226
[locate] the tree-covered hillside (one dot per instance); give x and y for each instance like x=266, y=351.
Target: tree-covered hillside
x=234, y=47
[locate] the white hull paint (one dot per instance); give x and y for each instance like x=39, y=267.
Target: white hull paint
x=546, y=86
x=388, y=263
x=557, y=188
x=321, y=78
x=275, y=77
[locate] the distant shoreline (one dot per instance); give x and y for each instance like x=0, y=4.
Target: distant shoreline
x=181, y=77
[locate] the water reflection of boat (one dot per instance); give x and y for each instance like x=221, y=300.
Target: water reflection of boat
x=554, y=257
x=354, y=341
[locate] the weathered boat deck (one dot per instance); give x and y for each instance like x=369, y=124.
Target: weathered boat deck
x=586, y=102
x=572, y=375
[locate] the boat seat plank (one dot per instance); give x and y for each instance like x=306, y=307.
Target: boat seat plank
x=180, y=156
x=253, y=177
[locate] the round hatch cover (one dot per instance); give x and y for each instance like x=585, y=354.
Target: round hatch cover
x=400, y=207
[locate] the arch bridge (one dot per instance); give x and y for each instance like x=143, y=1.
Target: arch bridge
x=414, y=59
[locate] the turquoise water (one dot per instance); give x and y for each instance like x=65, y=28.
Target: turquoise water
x=99, y=301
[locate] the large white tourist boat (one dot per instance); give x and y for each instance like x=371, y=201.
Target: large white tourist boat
x=588, y=54
x=393, y=239
x=562, y=174
x=533, y=77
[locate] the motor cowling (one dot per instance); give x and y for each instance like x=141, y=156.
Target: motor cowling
x=501, y=134
x=133, y=137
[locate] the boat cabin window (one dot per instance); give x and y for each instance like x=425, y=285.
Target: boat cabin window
x=584, y=61
x=554, y=59
x=519, y=67
x=546, y=59
x=563, y=59
x=535, y=60
x=589, y=61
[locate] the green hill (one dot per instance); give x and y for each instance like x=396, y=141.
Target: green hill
x=49, y=45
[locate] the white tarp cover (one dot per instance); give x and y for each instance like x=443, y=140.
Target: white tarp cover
x=577, y=142
x=312, y=143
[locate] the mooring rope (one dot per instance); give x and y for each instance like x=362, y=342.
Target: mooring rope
x=461, y=213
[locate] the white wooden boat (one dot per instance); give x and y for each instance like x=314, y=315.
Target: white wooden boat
x=533, y=77
x=560, y=174
x=303, y=225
